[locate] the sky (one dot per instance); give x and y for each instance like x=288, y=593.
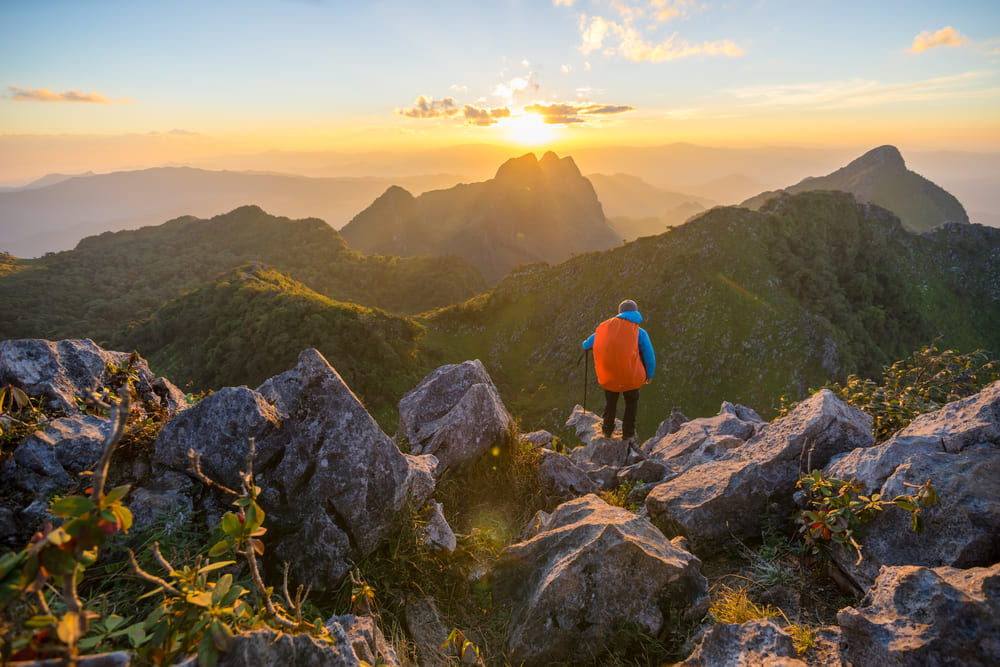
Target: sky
x=91, y=81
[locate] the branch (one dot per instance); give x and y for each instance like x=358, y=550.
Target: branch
x=150, y=578
x=195, y=468
x=119, y=415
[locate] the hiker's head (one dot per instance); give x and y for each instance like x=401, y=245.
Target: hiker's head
x=627, y=304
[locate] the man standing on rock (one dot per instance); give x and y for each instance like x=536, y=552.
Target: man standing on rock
x=624, y=361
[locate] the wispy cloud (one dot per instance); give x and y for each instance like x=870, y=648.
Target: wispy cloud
x=860, y=92
x=45, y=95
x=569, y=113
x=946, y=36
x=626, y=34
x=428, y=107
x=177, y=132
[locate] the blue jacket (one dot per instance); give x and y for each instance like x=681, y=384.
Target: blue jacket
x=645, y=346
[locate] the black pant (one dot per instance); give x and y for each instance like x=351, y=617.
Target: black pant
x=611, y=407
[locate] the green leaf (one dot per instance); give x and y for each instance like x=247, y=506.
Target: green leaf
x=116, y=494
x=222, y=637
x=40, y=621
x=57, y=561
x=221, y=588
x=71, y=507
x=219, y=548
x=255, y=517
x=200, y=598
x=88, y=643
x=9, y=561
x=211, y=567
x=231, y=525
x=136, y=635
x=112, y=622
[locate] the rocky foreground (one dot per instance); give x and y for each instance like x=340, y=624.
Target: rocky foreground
x=332, y=483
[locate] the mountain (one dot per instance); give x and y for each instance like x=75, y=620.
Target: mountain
x=117, y=278
x=880, y=177
x=530, y=211
x=636, y=208
x=52, y=216
x=740, y=305
x=251, y=324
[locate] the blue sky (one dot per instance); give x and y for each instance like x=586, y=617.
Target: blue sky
x=315, y=73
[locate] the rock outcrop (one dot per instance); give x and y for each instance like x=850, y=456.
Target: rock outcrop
x=582, y=572
x=332, y=482
x=709, y=501
x=923, y=616
x=455, y=414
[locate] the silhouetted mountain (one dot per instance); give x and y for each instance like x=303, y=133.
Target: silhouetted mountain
x=740, y=305
x=880, y=177
x=116, y=278
x=54, y=217
x=532, y=210
x=636, y=208
x=251, y=324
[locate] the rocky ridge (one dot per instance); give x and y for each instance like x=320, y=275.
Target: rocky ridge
x=333, y=484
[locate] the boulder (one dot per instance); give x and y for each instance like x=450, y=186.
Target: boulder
x=758, y=642
x=962, y=531
x=926, y=617
x=706, y=439
x=436, y=533
x=539, y=438
x=455, y=413
x=265, y=647
x=560, y=479
x=427, y=630
x=597, y=451
x=585, y=570
x=709, y=501
x=332, y=482
x=66, y=370
x=671, y=424
x=367, y=640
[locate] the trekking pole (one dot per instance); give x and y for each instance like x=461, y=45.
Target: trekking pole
x=584, y=358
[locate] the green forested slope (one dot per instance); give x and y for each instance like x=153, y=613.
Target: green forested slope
x=740, y=306
x=252, y=323
x=114, y=279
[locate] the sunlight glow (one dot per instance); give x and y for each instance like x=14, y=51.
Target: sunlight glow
x=529, y=129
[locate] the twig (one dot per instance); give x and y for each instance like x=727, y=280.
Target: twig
x=119, y=415
x=160, y=559
x=195, y=468
x=151, y=578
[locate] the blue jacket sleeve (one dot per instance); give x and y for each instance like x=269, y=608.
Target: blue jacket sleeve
x=589, y=343
x=646, y=352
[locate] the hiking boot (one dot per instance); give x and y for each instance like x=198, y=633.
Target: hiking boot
x=631, y=441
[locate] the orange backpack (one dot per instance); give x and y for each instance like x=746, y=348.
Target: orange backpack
x=616, y=355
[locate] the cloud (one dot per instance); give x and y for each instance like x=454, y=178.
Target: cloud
x=946, y=36
x=624, y=36
x=428, y=107
x=562, y=3
x=484, y=117
x=177, y=132
x=857, y=93
x=45, y=95
x=568, y=113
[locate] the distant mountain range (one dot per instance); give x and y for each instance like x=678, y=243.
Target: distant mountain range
x=636, y=208
x=54, y=213
x=531, y=211
x=118, y=278
x=880, y=177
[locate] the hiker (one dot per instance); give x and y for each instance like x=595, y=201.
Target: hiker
x=624, y=361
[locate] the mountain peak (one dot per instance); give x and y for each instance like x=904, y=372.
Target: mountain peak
x=553, y=165
x=883, y=157
x=521, y=168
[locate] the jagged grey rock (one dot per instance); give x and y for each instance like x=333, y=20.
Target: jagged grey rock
x=584, y=570
x=166, y=501
x=758, y=642
x=367, y=640
x=436, y=533
x=538, y=438
x=455, y=413
x=705, y=439
x=731, y=495
x=268, y=648
x=332, y=482
x=926, y=617
x=671, y=424
x=560, y=479
x=427, y=630
x=597, y=451
x=65, y=370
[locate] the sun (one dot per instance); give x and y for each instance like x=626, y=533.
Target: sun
x=529, y=129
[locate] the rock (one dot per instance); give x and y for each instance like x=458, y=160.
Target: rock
x=69, y=369
x=332, y=482
x=268, y=648
x=588, y=568
x=643, y=472
x=588, y=425
x=538, y=438
x=427, y=631
x=455, y=413
x=367, y=641
x=115, y=659
x=705, y=439
x=165, y=501
x=926, y=617
x=732, y=494
x=757, y=642
x=963, y=531
x=671, y=424
x=560, y=479
x=437, y=534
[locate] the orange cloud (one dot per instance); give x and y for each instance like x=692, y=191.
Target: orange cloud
x=484, y=117
x=428, y=107
x=946, y=36
x=565, y=114
x=45, y=95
